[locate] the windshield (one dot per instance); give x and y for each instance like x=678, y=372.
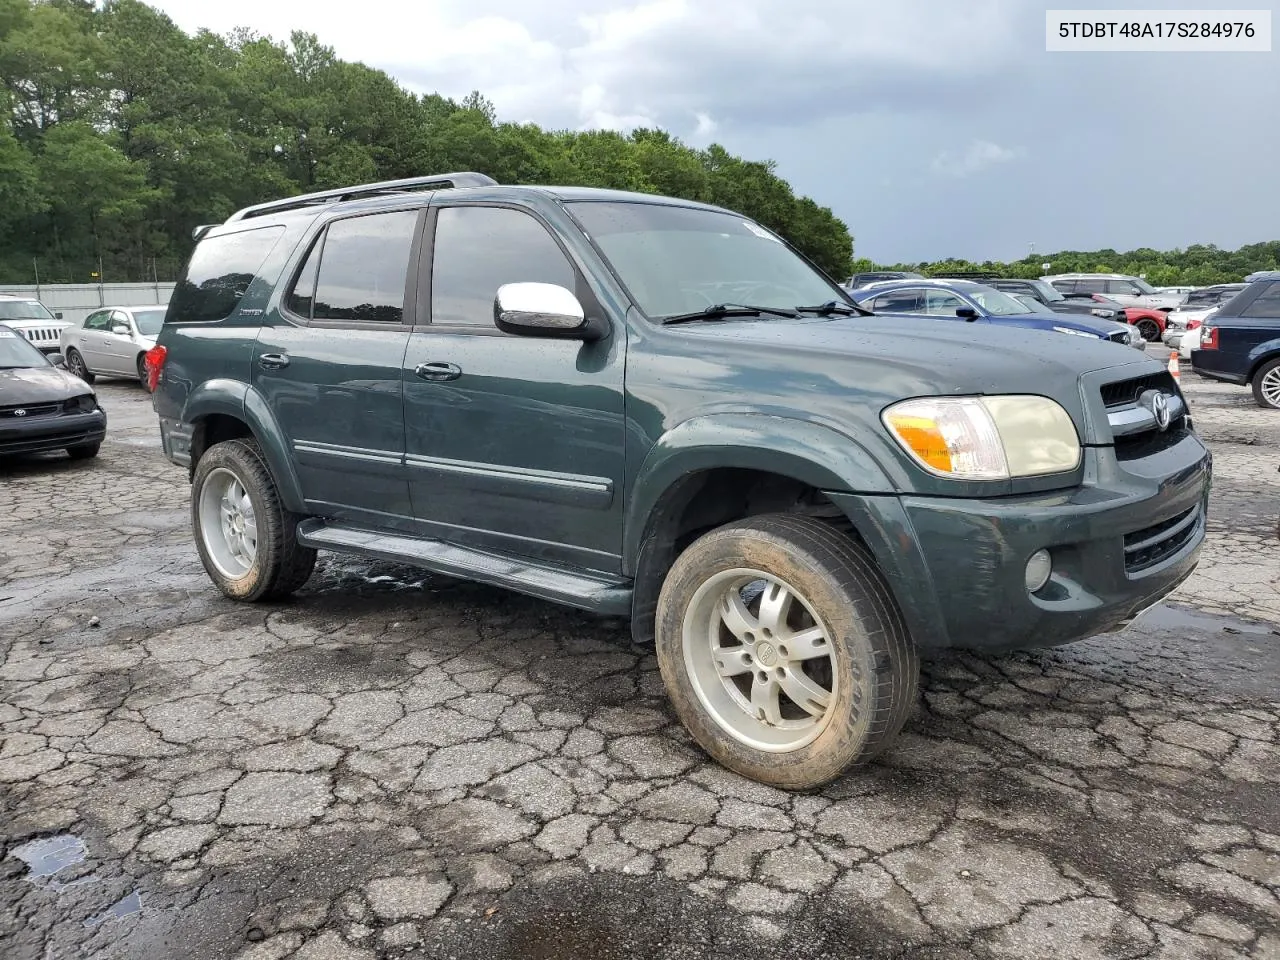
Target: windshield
x=24, y=310
x=1048, y=292
x=16, y=352
x=149, y=322
x=1143, y=285
x=996, y=303
x=679, y=260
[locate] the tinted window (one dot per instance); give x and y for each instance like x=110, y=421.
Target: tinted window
x=899, y=301
x=1091, y=286
x=363, y=266
x=1122, y=287
x=477, y=250
x=303, y=294
x=942, y=303
x=1065, y=286
x=219, y=274
x=1267, y=305
x=98, y=321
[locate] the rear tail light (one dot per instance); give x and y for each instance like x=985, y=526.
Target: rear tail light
x=1209, y=338
x=1192, y=324
x=154, y=361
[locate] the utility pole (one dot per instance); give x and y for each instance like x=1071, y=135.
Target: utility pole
x=35, y=265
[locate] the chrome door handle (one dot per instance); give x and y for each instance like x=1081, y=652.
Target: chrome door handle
x=273, y=361
x=437, y=371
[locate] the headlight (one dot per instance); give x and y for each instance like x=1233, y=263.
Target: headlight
x=85, y=403
x=1101, y=312
x=1079, y=333
x=986, y=438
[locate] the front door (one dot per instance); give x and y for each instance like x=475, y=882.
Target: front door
x=330, y=368
x=119, y=349
x=514, y=444
x=92, y=341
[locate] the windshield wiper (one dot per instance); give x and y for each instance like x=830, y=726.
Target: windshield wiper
x=835, y=306
x=721, y=310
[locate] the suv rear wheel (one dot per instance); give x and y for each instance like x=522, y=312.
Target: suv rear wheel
x=1266, y=385
x=247, y=540
x=783, y=651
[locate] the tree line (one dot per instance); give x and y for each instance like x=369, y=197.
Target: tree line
x=1197, y=265
x=122, y=133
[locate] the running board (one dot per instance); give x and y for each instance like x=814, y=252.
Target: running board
x=596, y=594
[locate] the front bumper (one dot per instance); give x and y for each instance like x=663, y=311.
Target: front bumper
x=52, y=433
x=957, y=566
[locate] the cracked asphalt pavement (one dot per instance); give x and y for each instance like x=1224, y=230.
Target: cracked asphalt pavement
x=400, y=765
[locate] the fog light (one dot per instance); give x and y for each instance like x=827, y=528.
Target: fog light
x=1038, y=569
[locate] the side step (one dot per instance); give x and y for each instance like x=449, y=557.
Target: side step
x=599, y=595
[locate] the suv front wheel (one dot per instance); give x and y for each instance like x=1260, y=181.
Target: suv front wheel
x=246, y=538
x=783, y=651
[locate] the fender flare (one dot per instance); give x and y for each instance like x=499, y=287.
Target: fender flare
x=234, y=398
x=811, y=453
x=1261, y=354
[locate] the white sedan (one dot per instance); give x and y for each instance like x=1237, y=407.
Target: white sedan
x=112, y=342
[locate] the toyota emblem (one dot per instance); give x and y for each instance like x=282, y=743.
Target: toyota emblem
x=1158, y=404
x=20, y=412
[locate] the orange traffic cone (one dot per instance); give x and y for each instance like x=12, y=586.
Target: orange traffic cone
x=1173, y=366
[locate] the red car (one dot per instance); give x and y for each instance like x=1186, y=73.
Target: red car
x=1150, y=323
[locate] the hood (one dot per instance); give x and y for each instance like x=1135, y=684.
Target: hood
x=1083, y=322
x=1164, y=300
x=39, y=385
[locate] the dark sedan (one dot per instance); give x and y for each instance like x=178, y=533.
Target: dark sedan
x=1049, y=295
x=1240, y=343
x=43, y=407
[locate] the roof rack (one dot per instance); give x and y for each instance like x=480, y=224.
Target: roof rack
x=973, y=275
x=409, y=184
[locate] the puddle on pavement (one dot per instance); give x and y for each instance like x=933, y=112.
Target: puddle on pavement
x=1166, y=617
x=49, y=856
x=118, y=911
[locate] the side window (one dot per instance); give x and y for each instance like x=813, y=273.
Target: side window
x=1091, y=286
x=303, y=295
x=1266, y=305
x=477, y=250
x=1125, y=287
x=1064, y=286
x=97, y=321
x=942, y=303
x=899, y=301
x=363, y=267
x=219, y=274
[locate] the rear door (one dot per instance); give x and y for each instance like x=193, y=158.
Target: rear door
x=330, y=369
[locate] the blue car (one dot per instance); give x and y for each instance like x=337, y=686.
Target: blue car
x=964, y=300
x=1240, y=341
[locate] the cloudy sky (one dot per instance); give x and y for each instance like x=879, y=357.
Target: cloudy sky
x=933, y=128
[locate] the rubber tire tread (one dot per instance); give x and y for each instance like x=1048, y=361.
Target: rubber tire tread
x=852, y=571
x=281, y=565
x=1256, y=383
x=89, y=376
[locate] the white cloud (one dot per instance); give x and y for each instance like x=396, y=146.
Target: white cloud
x=979, y=155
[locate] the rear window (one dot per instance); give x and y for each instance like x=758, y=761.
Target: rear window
x=219, y=274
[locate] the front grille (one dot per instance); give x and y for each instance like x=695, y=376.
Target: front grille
x=42, y=334
x=1120, y=336
x=1149, y=547
x=30, y=410
x=1127, y=391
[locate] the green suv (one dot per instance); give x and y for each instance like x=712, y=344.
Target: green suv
x=658, y=409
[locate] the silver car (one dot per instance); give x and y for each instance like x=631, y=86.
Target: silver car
x=112, y=342
x=1130, y=291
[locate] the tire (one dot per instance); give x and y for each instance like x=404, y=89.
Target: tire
x=77, y=366
x=864, y=649
x=1266, y=385
x=84, y=452
x=276, y=565
x=142, y=372
x=1149, y=330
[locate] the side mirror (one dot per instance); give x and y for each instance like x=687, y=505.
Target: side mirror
x=121, y=329
x=57, y=315
x=58, y=360
x=967, y=313
x=543, y=310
